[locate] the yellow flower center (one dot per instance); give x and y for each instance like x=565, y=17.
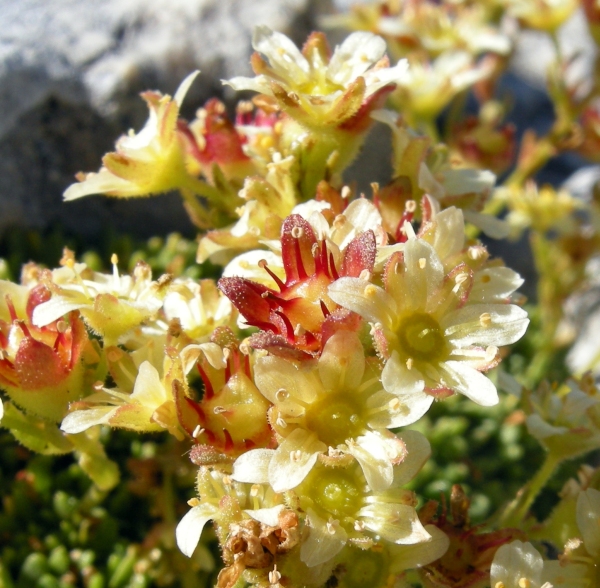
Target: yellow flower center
x=335, y=418
x=336, y=493
x=421, y=338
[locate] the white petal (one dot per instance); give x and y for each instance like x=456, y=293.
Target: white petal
x=540, y=429
x=371, y=302
x=253, y=466
x=284, y=57
x=273, y=374
x=424, y=272
x=473, y=384
x=467, y=181
x=397, y=523
x=515, y=561
x=404, y=557
x=81, y=420
x=371, y=453
x=148, y=389
x=588, y=520
x=491, y=226
x=184, y=87
x=408, y=386
x=342, y=363
x=418, y=452
x=55, y=308
x=495, y=284
x=294, y=459
x=266, y=516
x=190, y=527
x=449, y=235
x=324, y=540
x=508, y=324
x=258, y=84
x=355, y=56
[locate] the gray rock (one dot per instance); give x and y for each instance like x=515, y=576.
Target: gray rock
x=70, y=74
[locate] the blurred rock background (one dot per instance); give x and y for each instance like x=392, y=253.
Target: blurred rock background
x=71, y=71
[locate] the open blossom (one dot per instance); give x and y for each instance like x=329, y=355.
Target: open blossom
x=333, y=409
x=153, y=404
x=427, y=25
x=435, y=331
x=426, y=88
x=110, y=304
x=317, y=88
x=149, y=162
x=299, y=316
x=566, y=423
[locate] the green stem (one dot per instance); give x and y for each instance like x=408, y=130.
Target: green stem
x=516, y=511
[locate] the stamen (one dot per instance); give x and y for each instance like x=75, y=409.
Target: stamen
x=197, y=432
x=370, y=291
x=295, y=456
x=524, y=583
x=409, y=363
x=410, y=206
x=254, y=490
x=227, y=481
x=365, y=275
x=476, y=252
x=263, y=265
x=490, y=352
x=193, y=502
x=422, y=263
x=394, y=405
x=297, y=232
x=115, y=260
x=345, y=192
x=485, y=319
x=409, y=230
x=274, y=576
x=332, y=526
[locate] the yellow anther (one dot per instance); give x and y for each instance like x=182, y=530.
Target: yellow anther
x=197, y=432
x=254, y=490
x=296, y=455
x=297, y=232
x=485, y=319
x=227, y=481
x=346, y=192
x=370, y=291
x=193, y=502
x=394, y=405
x=422, y=263
x=62, y=326
x=524, y=583
x=274, y=576
x=409, y=363
x=410, y=206
x=114, y=259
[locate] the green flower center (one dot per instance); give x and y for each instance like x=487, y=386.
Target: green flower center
x=335, y=493
x=421, y=338
x=335, y=418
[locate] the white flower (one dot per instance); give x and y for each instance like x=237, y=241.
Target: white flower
x=517, y=565
x=319, y=90
x=434, y=334
x=330, y=407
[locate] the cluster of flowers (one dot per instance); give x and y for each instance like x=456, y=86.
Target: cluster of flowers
x=364, y=312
